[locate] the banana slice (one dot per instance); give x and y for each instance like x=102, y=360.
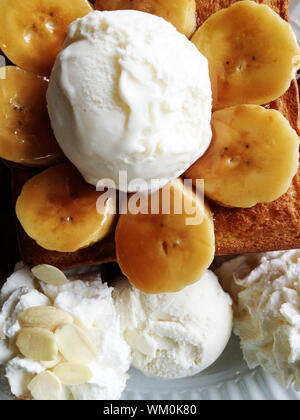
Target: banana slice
x=163, y=252
x=253, y=54
x=253, y=157
x=32, y=32
x=57, y=208
x=181, y=13
x=26, y=136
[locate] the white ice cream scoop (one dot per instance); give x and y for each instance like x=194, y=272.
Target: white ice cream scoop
x=129, y=93
x=177, y=334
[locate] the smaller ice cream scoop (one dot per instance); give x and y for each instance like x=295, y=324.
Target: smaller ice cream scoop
x=129, y=93
x=175, y=335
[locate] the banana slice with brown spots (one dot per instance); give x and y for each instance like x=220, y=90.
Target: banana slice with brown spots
x=26, y=136
x=253, y=157
x=167, y=251
x=252, y=52
x=32, y=32
x=61, y=212
x=181, y=13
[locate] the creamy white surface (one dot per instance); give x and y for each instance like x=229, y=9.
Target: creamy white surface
x=90, y=301
x=175, y=335
x=266, y=292
x=130, y=93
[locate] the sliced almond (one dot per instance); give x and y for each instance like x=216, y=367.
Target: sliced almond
x=46, y=386
x=75, y=344
x=47, y=317
x=53, y=363
x=37, y=344
x=49, y=274
x=73, y=373
x=77, y=322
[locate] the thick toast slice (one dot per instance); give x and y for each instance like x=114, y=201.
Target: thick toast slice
x=265, y=227
x=205, y=8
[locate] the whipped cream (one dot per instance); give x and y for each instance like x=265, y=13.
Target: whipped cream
x=90, y=301
x=130, y=93
x=266, y=293
x=177, y=334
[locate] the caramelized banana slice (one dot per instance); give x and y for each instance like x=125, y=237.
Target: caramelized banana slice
x=181, y=13
x=253, y=157
x=166, y=252
x=57, y=208
x=32, y=32
x=253, y=54
x=26, y=135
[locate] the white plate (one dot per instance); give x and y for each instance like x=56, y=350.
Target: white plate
x=228, y=379
x=295, y=17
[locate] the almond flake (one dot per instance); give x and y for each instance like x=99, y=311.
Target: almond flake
x=75, y=344
x=72, y=373
x=49, y=274
x=47, y=317
x=46, y=386
x=37, y=344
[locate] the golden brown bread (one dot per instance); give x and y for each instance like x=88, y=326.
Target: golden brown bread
x=205, y=8
x=265, y=227
x=32, y=254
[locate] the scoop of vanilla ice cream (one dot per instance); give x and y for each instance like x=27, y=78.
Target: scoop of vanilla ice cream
x=266, y=292
x=178, y=334
x=90, y=301
x=130, y=93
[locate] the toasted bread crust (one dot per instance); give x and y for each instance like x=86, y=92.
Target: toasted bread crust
x=265, y=227
x=206, y=8
x=32, y=254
